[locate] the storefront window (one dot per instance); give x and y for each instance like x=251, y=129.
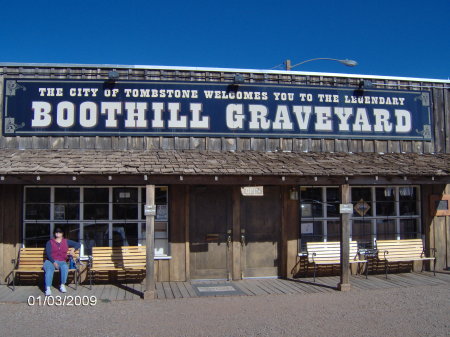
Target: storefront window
x=38, y=204
x=96, y=203
x=125, y=203
x=94, y=216
x=67, y=204
x=379, y=212
x=319, y=208
x=71, y=231
x=125, y=234
x=95, y=235
x=36, y=234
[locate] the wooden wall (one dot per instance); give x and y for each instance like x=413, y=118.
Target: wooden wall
x=440, y=115
x=10, y=227
x=437, y=228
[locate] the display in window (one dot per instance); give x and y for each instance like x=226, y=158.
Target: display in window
x=161, y=212
x=60, y=212
x=307, y=228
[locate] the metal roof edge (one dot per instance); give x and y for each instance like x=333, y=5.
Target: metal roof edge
x=230, y=70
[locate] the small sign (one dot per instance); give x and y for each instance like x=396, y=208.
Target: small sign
x=307, y=228
x=362, y=207
x=346, y=208
x=252, y=191
x=150, y=210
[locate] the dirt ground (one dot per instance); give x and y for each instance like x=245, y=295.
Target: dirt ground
x=416, y=311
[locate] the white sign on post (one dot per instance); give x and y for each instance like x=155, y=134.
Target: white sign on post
x=346, y=208
x=150, y=210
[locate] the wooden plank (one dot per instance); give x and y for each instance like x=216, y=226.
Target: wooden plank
x=345, y=244
x=152, y=143
x=298, y=286
x=160, y=291
x=243, y=288
x=438, y=120
x=267, y=287
x=175, y=290
x=183, y=290
x=287, y=286
x=197, y=143
x=254, y=289
x=167, y=290
x=237, y=266
x=190, y=289
x=213, y=144
x=229, y=144
x=177, y=232
x=258, y=144
x=446, y=94
x=167, y=143
x=243, y=144
x=273, y=144
x=182, y=143
x=287, y=144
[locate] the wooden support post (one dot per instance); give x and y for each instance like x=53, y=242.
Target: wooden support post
x=149, y=292
x=344, y=284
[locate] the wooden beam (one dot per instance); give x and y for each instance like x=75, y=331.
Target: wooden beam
x=344, y=284
x=149, y=292
x=236, y=245
x=138, y=179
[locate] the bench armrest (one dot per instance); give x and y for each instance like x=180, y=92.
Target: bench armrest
x=313, y=254
x=90, y=261
x=386, y=252
x=432, y=251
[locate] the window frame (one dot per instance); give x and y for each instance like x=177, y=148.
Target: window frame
x=110, y=222
x=372, y=218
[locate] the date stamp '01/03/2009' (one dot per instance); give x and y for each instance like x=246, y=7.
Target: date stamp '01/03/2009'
x=70, y=301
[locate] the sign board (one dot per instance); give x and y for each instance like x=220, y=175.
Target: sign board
x=346, y=208
x=361, y=207
x=149, y=210
x=52, y=107
x=252, y=191
x=307, y=228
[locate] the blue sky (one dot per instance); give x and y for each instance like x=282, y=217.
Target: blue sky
x=395, y=38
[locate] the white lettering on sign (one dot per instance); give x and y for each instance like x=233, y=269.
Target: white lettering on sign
x=252, y=191
x=253, y=117
x=41, y=114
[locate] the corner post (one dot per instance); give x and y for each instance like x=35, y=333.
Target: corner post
x=149, y=292
x=344, y=284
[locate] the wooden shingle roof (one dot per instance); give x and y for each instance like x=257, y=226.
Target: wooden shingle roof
x=189, y=162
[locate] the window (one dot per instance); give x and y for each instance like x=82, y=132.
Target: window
x=94, y=216
x=380, y=212
x=385, y=213
x=319, y=210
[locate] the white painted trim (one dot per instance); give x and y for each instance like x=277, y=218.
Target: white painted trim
x=227, y=70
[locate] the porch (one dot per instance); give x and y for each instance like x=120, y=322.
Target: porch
x=249, y=287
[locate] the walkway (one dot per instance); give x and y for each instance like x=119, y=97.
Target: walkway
x=248, y=287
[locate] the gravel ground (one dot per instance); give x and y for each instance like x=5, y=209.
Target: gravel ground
x=418, y=311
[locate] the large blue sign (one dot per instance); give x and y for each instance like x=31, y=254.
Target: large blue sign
x=156, y=108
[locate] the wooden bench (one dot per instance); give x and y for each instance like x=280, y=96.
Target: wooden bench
x=126, y=258
x=324, y=253
x=31, y=260
x=403, y=251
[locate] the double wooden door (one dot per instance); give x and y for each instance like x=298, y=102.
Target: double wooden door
x=249, y=247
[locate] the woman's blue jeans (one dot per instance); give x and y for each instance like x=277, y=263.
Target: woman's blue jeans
x=49, y=269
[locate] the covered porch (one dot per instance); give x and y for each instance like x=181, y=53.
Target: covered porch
x=107, y=292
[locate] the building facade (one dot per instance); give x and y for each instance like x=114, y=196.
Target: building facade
x=248, y=165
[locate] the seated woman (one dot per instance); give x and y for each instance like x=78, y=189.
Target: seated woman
x=56, y=251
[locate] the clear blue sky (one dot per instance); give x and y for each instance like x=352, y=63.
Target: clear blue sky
x=398, y=38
